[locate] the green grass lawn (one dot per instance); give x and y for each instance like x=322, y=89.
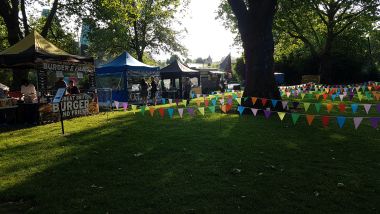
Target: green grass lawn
x=213, y=164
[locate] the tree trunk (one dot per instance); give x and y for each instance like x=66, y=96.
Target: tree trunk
x=325, y=62
x=255, y=25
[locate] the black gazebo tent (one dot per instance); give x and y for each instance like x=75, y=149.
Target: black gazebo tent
x=177, y=70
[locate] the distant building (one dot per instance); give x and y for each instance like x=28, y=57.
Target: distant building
x=226, y=66
x=209, y=61
x=84, y=41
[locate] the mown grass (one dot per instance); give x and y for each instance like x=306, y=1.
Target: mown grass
x=125, y=163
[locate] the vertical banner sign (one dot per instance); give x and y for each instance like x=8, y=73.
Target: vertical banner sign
x=42, y=81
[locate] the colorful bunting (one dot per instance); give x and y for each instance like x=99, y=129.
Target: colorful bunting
x=281, y=115
x=374, y=122
x=284, y=104
x=310, y=119
x=367, y=107
x=329, y=107
x=170, y=112
x=254, y=111
x=306, y=106
x=162, y=112
x=354, y=107
x=341, y=121
x=264, y=101
x=180, y=112
x=295, y=118
x=202, y=110
x=318, y=107
x=325, y=121
x=212, y=109
x=267, y=113
x=151, y=111
x=116, y=104
x=342, y=107
x=357, y=122
x=254, y=99
x=274, y=103
x=125, y=106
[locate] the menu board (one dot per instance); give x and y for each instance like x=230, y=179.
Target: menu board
x=42, y=80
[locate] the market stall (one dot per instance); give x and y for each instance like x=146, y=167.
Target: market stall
x=50, y=65
x=122, y=75
x=177, y=72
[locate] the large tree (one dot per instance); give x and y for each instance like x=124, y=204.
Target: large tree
x=139, y=26
x=319, y=23
x=255, y=23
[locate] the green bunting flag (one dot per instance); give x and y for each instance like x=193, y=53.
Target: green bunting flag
x=318, y=107
x=295, y=118
x=306, y=106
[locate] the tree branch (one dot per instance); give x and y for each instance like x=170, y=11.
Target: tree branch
x=24, y=18
x=49, y=19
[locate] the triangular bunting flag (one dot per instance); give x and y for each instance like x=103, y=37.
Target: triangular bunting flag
x=329, y=107
x=357, y=122
x=170, y=101
x=223, y=108
x=374, y=122
x=317, y=107
x=202, y=110
x=306, y=106
x=163, y=101
x=254, y=111
x=325, y=121
x=342, y=107
x=213, y=101
x=134, y=108
x=184, y=103
x=162, y=112
x=354, y=107
x=241, y=110
x=143, y=108
x=207, y=102
x=281, y=115
x=171, y=112
x=264, y=101
x=310, y=119
x=295, y=104
x=284, y=104
x=367, y=107
x=341, y=121
x=198, y=103
x=295, y=118
x=267, y=113
x=212, y=109
x=125, y=106
x=116, y=104
x=191, y=112
x=302, y=96
x=317, y=96
x=254, y=99
x=341, y=97
x=180, y=112
x=238, y=100
x=151, y=111
x=274, y=103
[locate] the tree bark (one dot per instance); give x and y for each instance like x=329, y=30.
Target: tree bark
x=49, y=20
x=255, y=26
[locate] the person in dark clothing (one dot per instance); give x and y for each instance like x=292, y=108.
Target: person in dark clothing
x=153, y=90
x=144, y=91
x=187, y=89
x=72, y=89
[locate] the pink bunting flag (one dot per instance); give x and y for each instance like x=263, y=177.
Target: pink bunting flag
x=341, y=97
x=367, y=107
x=357, y=122
x=254, y=111
x=125, y=106
x=284, y=104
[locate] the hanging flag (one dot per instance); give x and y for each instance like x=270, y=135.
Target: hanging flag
x=223, y=108
x=254, y=111
x=213, y=101
x=310, y=119
x=116, y=104
x=357, y=122
x=212, y=109
x=241, y=110
x=198, y=103
x=191, y=112
x=143, y=108
x=378, y=107
x=163, y=101
x=162, y=112
x=134, y=107
x=341, y=97
x=198, y=95
x=302, y=96
x=170, y=112
x=254, y=99
x=170, y=101
x=329, y=107
x=264, y=101
x=325, y=121
x=228, y=107
x=207, y=102
x=374, y=122
x=354, y=107
x=317, y=107
x=177, y=102
x=333, y=97
x=267, y=113
x=180, y=112
x=325, y=96
x=151, y=111
x=295, y=105
x=125, y=106
x=202, y=110
x=306, y=106
x=284, y=104
x=360, y=96
x=295, y=118
x=238, y=100
x=317, y=96
x=342, y=107
x=274, y=103
x=184, y=103
x=281, y=115
x=221, y=101
x=341, y=121
x=229, y=101
x=367, y=107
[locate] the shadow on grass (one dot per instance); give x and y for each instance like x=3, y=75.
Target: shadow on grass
x=220, y=163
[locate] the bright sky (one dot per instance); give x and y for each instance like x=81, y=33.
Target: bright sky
x=206, y=35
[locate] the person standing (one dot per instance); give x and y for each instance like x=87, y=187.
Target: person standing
x=143, y=91
x=187, y=89
x=29, y=92
x=72, y=89
x=153, y=90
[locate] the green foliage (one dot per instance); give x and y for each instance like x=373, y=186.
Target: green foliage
x=238, y=70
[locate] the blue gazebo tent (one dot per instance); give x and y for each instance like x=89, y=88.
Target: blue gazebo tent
x=121, y=73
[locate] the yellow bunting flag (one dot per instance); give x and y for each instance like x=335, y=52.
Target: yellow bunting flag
x=151, y=110
x=281, y=115
x=329, y=107
x=310, y=119
x=238, y=100
x=360, y=96
x=306, y=106
x=184, y=102
x=317, y=96
x=198, y=103
x=134, y=108
x=202, y=110
x=302, y=95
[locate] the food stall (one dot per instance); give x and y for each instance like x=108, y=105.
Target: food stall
x=123, y=75
x=176, y=72
x=49, y=64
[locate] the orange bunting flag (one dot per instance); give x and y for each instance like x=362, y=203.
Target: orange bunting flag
x=310, y=119
x=223, y=108
x=198, y=103
x=329, y=107
x=317, y=96
x=151, y=110
x=254, y=99
x=377, y=96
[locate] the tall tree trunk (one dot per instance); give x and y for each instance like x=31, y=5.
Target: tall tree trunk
x=255, y=23
x=325, y=62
